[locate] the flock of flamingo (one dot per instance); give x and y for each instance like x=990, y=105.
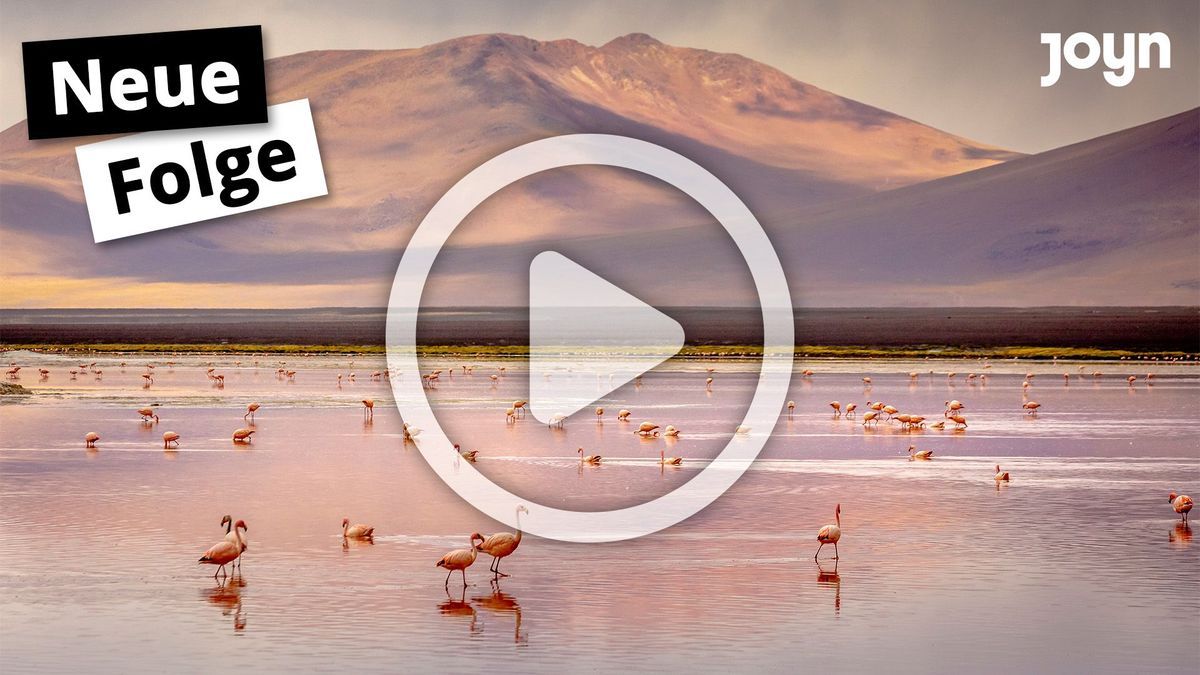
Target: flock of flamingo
x=232, y=547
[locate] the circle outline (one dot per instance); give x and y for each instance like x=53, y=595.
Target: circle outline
x=681, y=173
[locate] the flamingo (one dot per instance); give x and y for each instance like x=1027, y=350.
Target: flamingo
x=169, y=438
x=460, y=559
x=913, y=453
x=708, y=384
x=791, y=406
x=250, y=410
x=953, y=406
x=837, y=408
x=850, y=408
x=960, y=422
x=410, y=432
x=368, y=408
x=742, y=430
x=1001, y=476
x=869, y=417
x=1031, y=407
x=89, y=441
x=469, y=455
x=673, y=461
x=148, y=378
x=599, y=415
x=519, y=407
x=557, y=420
x=589, y=459
x=1182, y=504
x=147, y=414
x=358, y=531
x=225, y=551
x=502, y=544
x=830, y=534
x=647, y=429
x=867, y=381
x=242, y=435
x=232, y=536
x=623, y=415
x=510, y=416
x=671, y=431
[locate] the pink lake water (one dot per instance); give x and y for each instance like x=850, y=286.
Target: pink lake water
x=1078, y=564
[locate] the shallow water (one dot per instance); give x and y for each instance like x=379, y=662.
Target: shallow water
x=1078, y=564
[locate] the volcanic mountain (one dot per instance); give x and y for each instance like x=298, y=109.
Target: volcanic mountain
x=397, y=128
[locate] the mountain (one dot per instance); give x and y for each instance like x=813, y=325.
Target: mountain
x=855, y=197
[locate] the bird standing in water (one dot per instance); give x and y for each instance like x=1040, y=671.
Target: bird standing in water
x=1182, y=504
x=830, y=534
x=460, y=559
x=502, y=544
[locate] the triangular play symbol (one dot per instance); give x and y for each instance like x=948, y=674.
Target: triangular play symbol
x=587, y=337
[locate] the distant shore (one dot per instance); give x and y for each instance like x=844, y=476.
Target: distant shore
x=690, y=352
x=1040, y=332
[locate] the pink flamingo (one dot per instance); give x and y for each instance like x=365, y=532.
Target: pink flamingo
x=460, y=559
x=225, y=551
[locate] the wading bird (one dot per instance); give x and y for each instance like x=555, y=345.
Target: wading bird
x=235, y=537
x=837, y=408
x=830, y=534
x=460, y=560
x=89, y=441
x=225, y=551
x=589, y=459
x=623, y=415
x=242, y=435
x=147, y=414
x=170, y=437
x=671, y=431
x=1182, y=504
x=668, y=461
x=368, y=408
x=1031, y=407
x=1001, y=476
x=358, y=531
x=502, y=544
x=250, y=410
x=647, y=429
x=913, y=453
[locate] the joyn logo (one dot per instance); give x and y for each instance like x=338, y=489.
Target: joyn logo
x=1121, y=66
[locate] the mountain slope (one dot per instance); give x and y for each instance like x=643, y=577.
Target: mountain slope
x=825, y=175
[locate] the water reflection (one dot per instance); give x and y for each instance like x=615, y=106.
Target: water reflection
x=503, y=604
x=227, y=595
x=1181, y=535
x=831, y=579
x=357, y=542
x=461, y=609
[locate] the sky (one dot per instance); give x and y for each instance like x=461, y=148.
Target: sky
x=970, y=68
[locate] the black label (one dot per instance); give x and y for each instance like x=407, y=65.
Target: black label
x=145, y=82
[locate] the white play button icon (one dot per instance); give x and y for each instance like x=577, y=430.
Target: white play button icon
x=587, y=337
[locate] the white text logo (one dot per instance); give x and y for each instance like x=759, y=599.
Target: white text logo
x=1119, y=61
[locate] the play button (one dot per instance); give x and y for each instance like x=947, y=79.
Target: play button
x=587, y=337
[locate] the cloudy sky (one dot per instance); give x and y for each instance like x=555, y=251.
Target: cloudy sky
x=970, y=68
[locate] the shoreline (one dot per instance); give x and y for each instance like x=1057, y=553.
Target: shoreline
x=688, y=352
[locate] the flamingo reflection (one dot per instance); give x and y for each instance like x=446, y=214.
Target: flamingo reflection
x=1181, y=535
x=461, y=608
x=831, y=579
x=227, y=595
x=501, y=603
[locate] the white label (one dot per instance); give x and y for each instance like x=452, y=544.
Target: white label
x=160, y=179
